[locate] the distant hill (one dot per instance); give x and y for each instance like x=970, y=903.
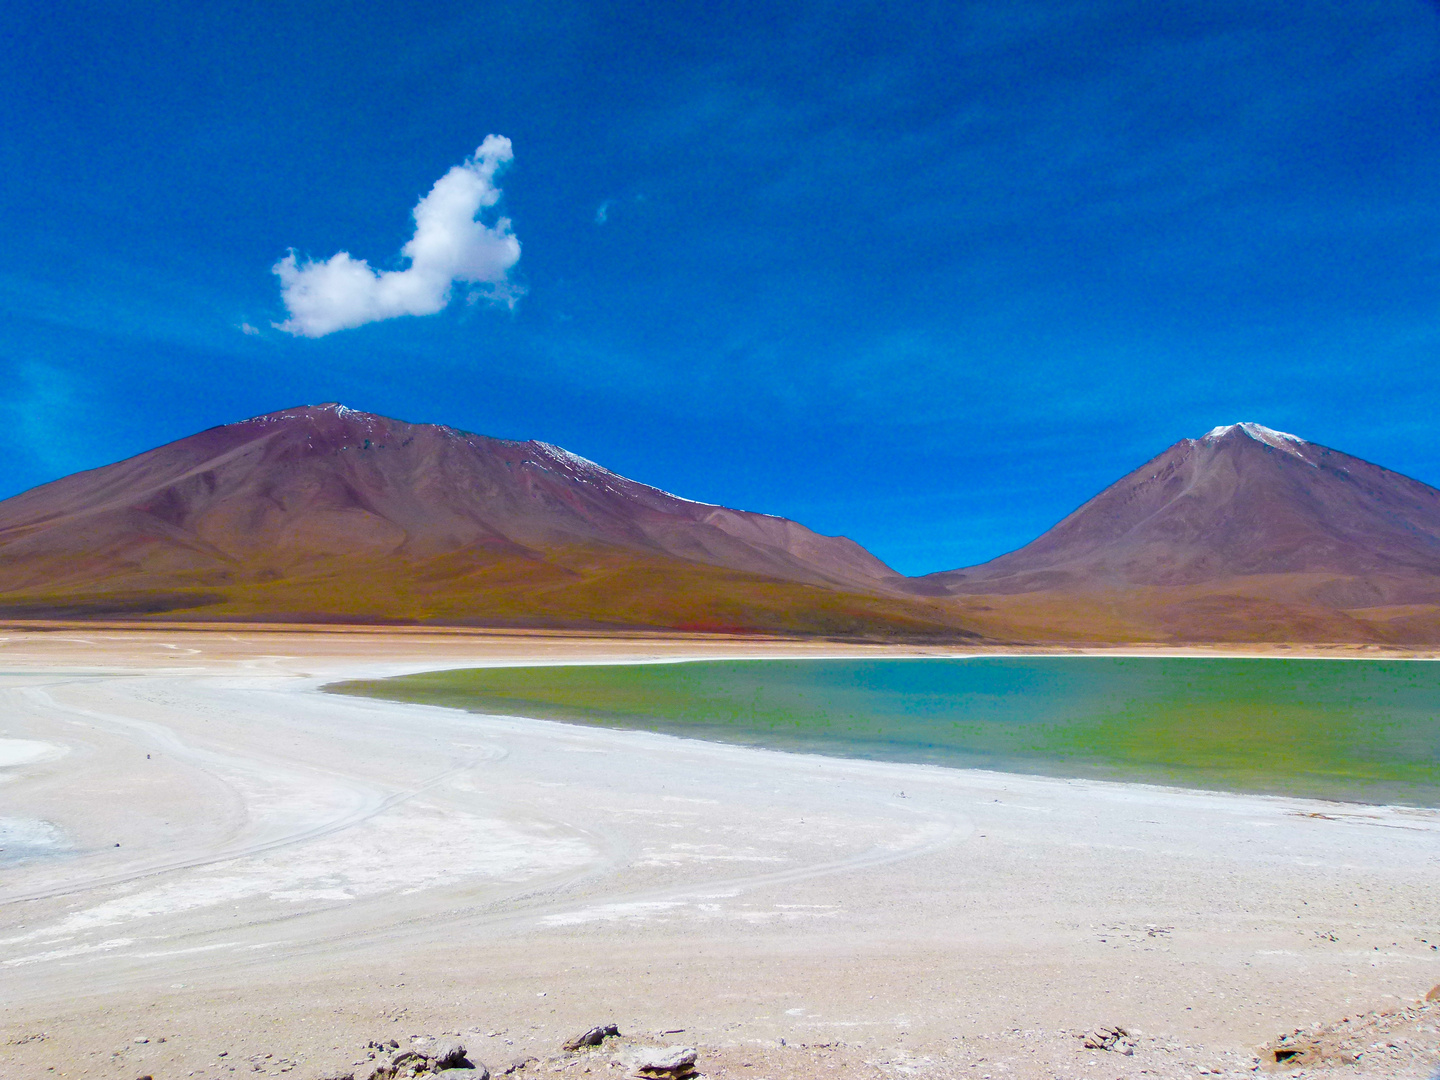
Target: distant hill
x=327, y=513
x=1243, y=534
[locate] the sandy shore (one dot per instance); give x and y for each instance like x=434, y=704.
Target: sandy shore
x=210, y=851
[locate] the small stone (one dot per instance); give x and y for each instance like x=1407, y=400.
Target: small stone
x=671, y=1057
x=666, y=1063
x=1434, y=994
x=335, y=1074
x=448, y=1054
x=477, y=1072
x=594, y=1037
x=141, y=1039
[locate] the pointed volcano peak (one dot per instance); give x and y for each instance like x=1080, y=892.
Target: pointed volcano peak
x=299, y=412
x=325, y=412
x=1280, y=440
x=1243, y=499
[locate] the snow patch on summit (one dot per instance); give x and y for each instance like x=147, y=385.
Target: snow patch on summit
x=305, y=412
x=575, y=460
x=583, y=464
x=1280, y=440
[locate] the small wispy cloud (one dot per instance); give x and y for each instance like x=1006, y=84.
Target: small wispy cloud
x=602, y=213
x=449, y=246
x=247, y=329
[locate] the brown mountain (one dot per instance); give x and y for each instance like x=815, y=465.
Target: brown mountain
x=1243, y=534
x=326, y=512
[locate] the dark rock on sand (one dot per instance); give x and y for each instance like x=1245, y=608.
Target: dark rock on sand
x=594, y=1037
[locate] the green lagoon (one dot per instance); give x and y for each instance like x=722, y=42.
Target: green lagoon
x=1356, y=730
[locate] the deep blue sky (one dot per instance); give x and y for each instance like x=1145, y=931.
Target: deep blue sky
x=928, y=275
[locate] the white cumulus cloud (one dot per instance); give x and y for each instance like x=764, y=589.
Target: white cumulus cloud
x=449, y=245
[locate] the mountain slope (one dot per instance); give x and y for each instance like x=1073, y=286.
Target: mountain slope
x=1243, y=532
x=328, y=512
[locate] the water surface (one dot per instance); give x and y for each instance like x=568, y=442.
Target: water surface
x=1347, y=729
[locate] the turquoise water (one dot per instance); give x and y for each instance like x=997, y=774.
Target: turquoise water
x=1348, y=729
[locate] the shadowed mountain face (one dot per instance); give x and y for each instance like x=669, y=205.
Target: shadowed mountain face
x=326, y=510
x=1263, y=517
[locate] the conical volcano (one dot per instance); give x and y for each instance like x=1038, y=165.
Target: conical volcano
x=327, y=512
x=1243, y=532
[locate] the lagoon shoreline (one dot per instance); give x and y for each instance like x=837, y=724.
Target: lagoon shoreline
x=298, y=871
x=1360, y=732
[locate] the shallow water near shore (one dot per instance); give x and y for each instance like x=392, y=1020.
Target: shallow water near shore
x=24, y=839
x=1353, y=730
